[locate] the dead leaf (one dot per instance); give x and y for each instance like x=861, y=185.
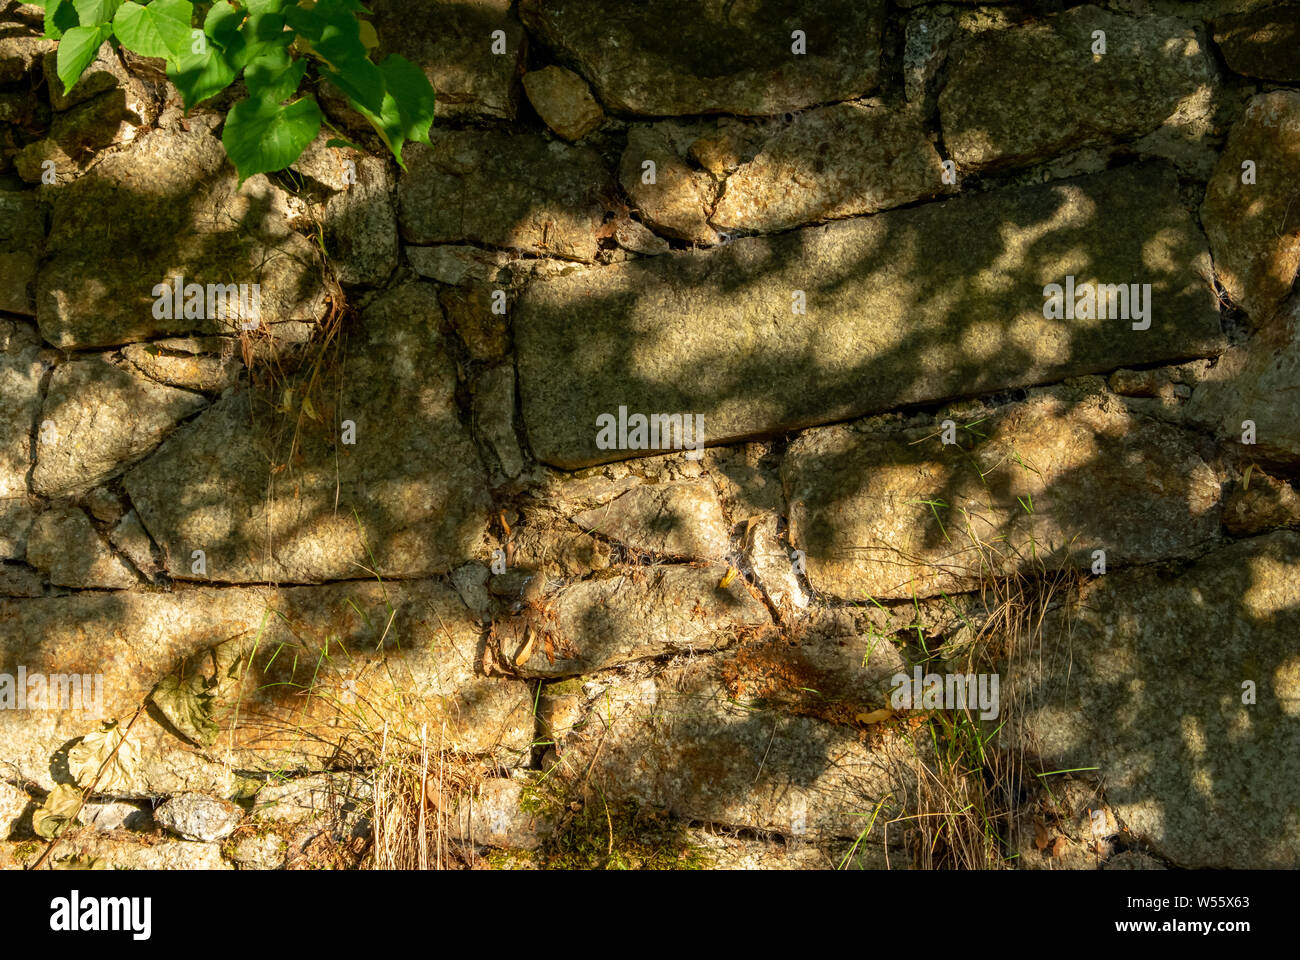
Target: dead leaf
x=1040, y=836
x=530, y=640
x=875, y=716
x=729, y=576
x=1059, y=846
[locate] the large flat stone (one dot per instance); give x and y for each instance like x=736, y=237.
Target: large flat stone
x=1050, y=480
x=668, y=520
x=1155, y=700
x=518, y=191
x=227, y=483
x=642, y=613
x=101, y=419
x=169, y=206
x=329, y=667
x=911, y=306
x=1254, y=228
x=452, y=42
x=837, y=161
x=20, y=385
x=683, y=57
x=685, y=741
x=1024, y=93
x=1262, y=43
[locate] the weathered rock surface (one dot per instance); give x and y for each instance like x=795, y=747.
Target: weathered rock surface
x=181, y=363
x=109, y=852
x=21, y=236
x=16, y=515
x=320, y=686
x=682, y=520
x=493, y=817
x=564, y=102
x=103, y=74
x=21, y=44
x=193, y=816
x=911, y=306
x=677, y=200
x=1024, y=93
x=20, y=384
x=168, y=206
x=1189, y=766
x=104, y=418
x=416, y=484
x=13, y=804
x=1260, y=504
x=683, y=741
x=518, y=191
x=1049, y=480
x=494, y=416
x=683, y=57
x=452, y=42
x=1254, y=228
x=1256, y=382
x=63, y=543
x=833, y=162
x=1262, y=43
x=601, y=623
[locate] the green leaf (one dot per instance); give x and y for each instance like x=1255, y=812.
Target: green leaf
x=262, y=34
x=261, y=136
x=60, y=15
x=76, y=50
x=187, y=705
x=200, y=75
x=95, y=12
x=414, y=95
x=388, y=123
x=222, y=23
x=161, y=29
x=274, y=77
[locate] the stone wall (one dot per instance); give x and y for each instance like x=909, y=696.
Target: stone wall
x=384, y=516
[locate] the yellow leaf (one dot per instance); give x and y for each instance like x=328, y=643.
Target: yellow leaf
x=308, y=409
x=368, y=35
x=730, y=575
x=875, y=716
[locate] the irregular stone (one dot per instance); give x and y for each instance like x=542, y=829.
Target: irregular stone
x=1035, y=484
x=104, y=418
x=684, y=58
x=832, y=162
x=22, y=234
x=13, y=804
x=906, y=307
x=1262, y=43
x=76, y=135
x=330, y=666
x=460, y=265
x=103, y=74
x=193, y=816
x=773, y=567
x=169, y=206
x=1254, y=229
x=21, y=47
x=678, y=200
x=475, y=316
x=260, y=852
x=681, y=741
x=558, y=551
x=116, y=815
x=119, y=854
x=452, y=41
x=1027, y=92
x=17, y=274
x=682, y=520
x=1263, y=503
x=470, y=582
x=518, y=191
x=596, y=624
x=339, y=796
x=564, y=102
x=19, y=581
x=132, y=540
x=67, y=548
x=1189, y=767
x=925, y=49
x=104, y=505
x=632, y=235
x=407, y=499
x=16, y=515
x=494, y=817
x=494, y=415
x=176, y=367
x=1256, y=382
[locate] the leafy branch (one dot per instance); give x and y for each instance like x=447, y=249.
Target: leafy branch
x=267, y=42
